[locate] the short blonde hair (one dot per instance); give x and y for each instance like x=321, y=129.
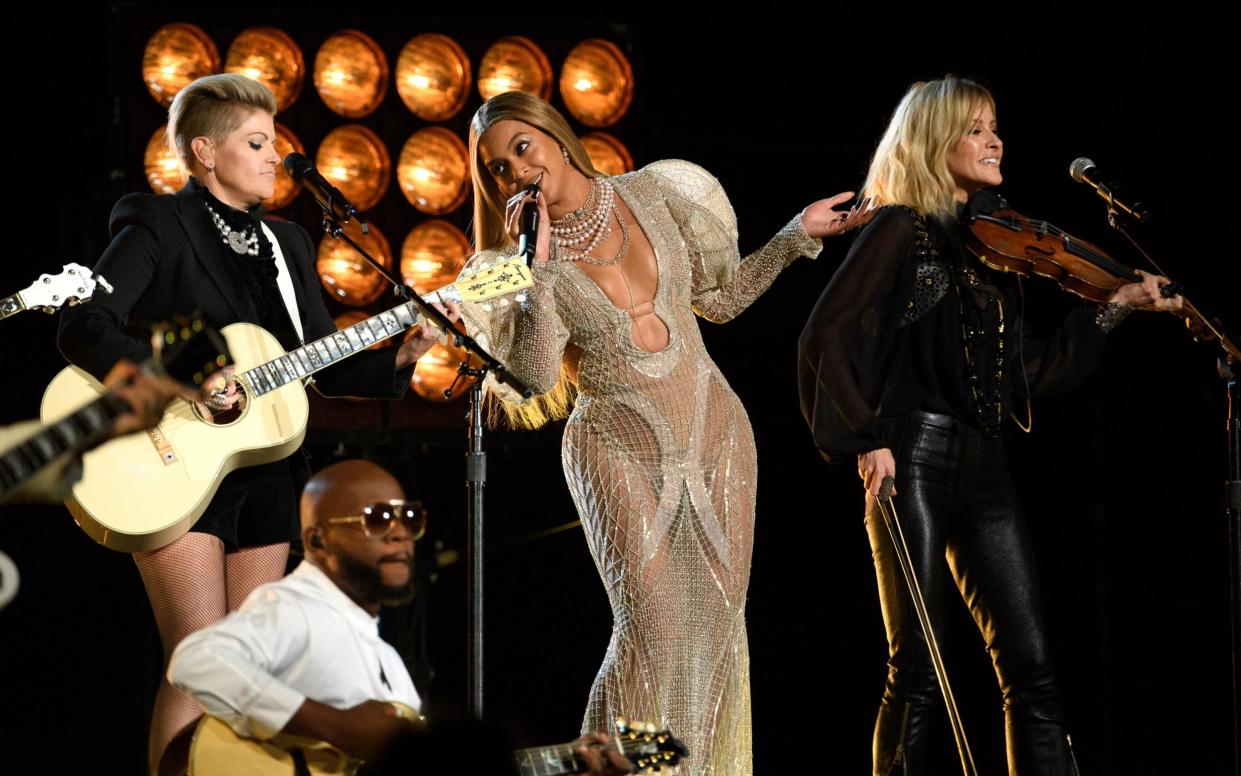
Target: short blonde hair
x=910, y=165
x=213, y=106
x=489, y=201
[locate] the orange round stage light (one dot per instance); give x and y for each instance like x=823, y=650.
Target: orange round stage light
x=437, y=369
x=351, y=74
x=163, y=167
x=354, y=159
x=270, y=57
x=286, y=189
x=175, y=55
x=514, y=64
x=349, y=278
x=432, y=255
x=596, y=83
x=607, y=154
x=433, y=76
x=433, y=172
x=352, y=317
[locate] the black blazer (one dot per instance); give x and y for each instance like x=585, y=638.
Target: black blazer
x=166, y=258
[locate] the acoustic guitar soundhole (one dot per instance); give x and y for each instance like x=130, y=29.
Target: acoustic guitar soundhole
x=225, y=416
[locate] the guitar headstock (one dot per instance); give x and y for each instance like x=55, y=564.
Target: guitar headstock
x=649, y=750
x=189, y=351
x=72, y=285
x=494, y=279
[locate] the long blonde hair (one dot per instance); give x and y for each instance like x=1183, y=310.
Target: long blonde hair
x=489, y=232
x=910, y=165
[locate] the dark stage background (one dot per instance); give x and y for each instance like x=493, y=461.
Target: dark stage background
x=1121, y=478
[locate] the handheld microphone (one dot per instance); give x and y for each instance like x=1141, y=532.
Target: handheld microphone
x=328, y=196
x=528, y=238
x=1083, y=170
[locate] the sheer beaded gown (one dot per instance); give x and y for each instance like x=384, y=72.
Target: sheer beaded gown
x=659, y=457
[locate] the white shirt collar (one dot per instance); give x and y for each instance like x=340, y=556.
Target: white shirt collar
x=312, y=574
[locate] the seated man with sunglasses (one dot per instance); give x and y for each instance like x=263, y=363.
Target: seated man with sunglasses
x=303, y=656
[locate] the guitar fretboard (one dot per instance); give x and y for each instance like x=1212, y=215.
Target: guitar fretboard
x=548, y=760
x=70, y=434
x=310, y=358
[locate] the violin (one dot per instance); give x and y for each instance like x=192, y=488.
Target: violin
x=1007, y=241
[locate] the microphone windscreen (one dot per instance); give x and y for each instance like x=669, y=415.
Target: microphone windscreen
x=295, y=163
x=1079, y=167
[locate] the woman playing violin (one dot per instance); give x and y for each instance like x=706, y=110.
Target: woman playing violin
x=910, y=363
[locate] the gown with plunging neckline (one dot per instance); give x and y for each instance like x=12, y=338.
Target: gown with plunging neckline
x=659, y=458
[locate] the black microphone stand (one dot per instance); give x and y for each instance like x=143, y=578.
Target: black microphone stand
x=475, y=458
x=1228, y=366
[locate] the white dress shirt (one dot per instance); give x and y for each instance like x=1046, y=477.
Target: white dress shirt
x=298, y=638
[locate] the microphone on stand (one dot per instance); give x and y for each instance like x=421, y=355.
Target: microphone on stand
x=1083, y=170
x=328, y=196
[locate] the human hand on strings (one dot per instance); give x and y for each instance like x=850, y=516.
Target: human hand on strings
x=1147, y=295
x=600, y=761
x=219, y=391
x=873, y=467
x=821, y=219
x=423, y=337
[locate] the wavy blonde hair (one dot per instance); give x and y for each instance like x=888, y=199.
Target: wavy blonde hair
x=910, y=165
x=489, y=233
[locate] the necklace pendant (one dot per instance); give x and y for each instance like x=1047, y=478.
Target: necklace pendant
x=238, y=242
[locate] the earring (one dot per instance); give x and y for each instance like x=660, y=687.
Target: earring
x=565, y=153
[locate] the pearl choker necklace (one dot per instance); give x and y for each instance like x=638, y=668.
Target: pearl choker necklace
x=242, y=242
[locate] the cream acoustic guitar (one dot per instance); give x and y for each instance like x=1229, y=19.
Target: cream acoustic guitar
x=187, y=351
x=217, y=750
x=140, y=492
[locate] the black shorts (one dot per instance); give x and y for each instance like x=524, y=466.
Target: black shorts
x=256, y=505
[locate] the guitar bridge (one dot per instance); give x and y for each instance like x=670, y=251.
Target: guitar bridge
x=162, y=446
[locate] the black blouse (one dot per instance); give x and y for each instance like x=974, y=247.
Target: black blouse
x=912, y=321
x=259, y=272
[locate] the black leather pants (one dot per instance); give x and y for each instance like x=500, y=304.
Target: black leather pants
x=955, y=499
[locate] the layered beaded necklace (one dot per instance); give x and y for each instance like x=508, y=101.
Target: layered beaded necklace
x=578, y=233
x=245, y=241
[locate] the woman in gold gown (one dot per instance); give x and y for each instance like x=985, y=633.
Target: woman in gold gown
x=658, y=452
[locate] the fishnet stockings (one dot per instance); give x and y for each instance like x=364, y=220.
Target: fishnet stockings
x=192, y=583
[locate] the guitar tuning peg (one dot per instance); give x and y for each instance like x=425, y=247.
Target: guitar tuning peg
x=650, y=727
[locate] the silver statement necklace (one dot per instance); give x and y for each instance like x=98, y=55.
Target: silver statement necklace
x=242, y=242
